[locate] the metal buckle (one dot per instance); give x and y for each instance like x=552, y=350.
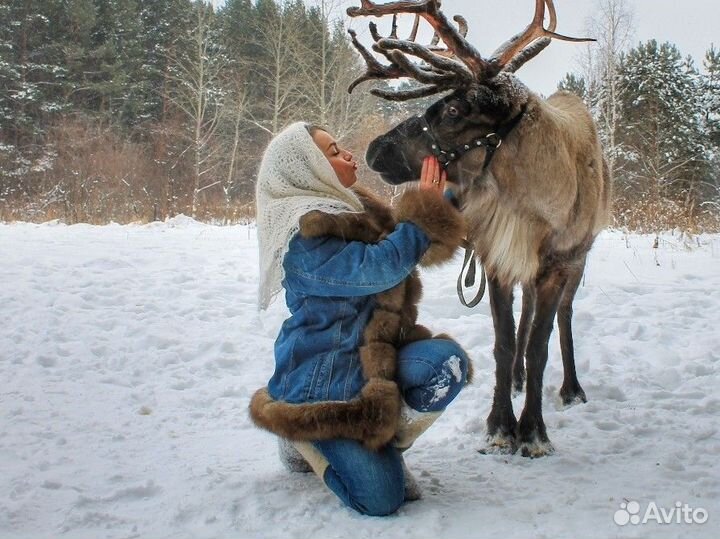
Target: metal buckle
x=494, y=139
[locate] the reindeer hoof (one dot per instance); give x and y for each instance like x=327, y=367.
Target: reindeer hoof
x=536, y=449
x=573, y=396
x=499, y=444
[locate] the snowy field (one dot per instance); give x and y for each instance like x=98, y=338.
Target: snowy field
x=129, y=354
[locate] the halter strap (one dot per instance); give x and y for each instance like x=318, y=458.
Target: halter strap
x=470, y=262
x=491, y=142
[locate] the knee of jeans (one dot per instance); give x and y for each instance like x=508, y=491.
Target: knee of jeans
x=381, y=498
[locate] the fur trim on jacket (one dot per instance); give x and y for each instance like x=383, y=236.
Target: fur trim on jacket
x=373, y=416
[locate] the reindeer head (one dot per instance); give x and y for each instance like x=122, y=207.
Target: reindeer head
x=485, y=98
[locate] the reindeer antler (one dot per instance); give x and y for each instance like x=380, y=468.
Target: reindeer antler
x=458, y=64
x=511, y=55
x=439, y=73
x=430, y=11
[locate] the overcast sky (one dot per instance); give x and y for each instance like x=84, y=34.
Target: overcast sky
x=691, y=24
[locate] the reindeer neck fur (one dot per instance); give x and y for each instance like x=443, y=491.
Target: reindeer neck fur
x=545, y=193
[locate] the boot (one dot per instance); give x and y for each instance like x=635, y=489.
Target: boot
x=291, y=457
x=412, y=425
x=312, y=458
x=412, y=488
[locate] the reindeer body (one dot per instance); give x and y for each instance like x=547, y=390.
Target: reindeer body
x=531, y=180
x=546, y=191
x=532, y=217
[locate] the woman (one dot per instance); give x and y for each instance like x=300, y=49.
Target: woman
x=356, y=379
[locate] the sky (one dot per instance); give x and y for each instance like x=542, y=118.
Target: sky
x=691, y=24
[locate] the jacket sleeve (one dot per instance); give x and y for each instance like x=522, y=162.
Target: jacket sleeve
x=330, y=266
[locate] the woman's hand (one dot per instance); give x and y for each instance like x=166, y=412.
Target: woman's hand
x=432, y=176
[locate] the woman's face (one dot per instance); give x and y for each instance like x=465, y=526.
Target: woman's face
x=341, y=161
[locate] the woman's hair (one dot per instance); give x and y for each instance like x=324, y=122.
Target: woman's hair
x=312, y=129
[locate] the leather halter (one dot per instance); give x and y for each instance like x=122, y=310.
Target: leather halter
x=491, y=142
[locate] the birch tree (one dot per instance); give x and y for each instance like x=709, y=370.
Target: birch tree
x=236, y=110
x=279, y=39
x=612, y=25
x=198, y=94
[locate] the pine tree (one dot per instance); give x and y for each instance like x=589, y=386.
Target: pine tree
x=164, y=34
x=125, y=34
x=711, y=95
x=239, y=135
x=114, y=59
x=79, y=20
x=660, y=134
x=32, y=77
x=710, y=107
x=574, y=84
x=237, y=20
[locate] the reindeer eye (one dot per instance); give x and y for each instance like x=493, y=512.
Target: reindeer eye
x=453, y=112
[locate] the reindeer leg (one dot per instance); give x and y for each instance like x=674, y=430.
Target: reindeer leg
x=501, y=422
x=570, y=392
x=532, y=438
x=528, y=308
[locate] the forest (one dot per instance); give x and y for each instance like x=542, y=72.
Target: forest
x=138, y=110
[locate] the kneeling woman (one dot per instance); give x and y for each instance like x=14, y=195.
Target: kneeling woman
x=356, y=379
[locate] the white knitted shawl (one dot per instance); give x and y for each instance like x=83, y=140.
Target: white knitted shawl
x=295, y=177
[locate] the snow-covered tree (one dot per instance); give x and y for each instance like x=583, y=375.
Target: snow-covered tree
x=711, y=94
x=660, y=135
x=164, y=35
x=32, y=77
x=574, y=84
x=710, y=107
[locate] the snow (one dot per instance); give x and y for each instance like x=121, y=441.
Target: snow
x=129, y=354
x=454, y=365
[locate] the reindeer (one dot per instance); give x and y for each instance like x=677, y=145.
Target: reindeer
x=529, y=176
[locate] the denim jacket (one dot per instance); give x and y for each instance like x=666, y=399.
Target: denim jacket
x=330, y=286
x=352, y=290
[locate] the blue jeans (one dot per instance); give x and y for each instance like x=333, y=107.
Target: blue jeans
x=431, y=373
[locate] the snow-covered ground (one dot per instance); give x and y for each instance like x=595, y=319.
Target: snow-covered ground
x=129, y=353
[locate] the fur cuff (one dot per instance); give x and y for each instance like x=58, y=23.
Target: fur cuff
x=351, y=226
x=442, y=223
x=372, y=418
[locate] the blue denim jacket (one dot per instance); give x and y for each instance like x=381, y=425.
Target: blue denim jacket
x=330, y=285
